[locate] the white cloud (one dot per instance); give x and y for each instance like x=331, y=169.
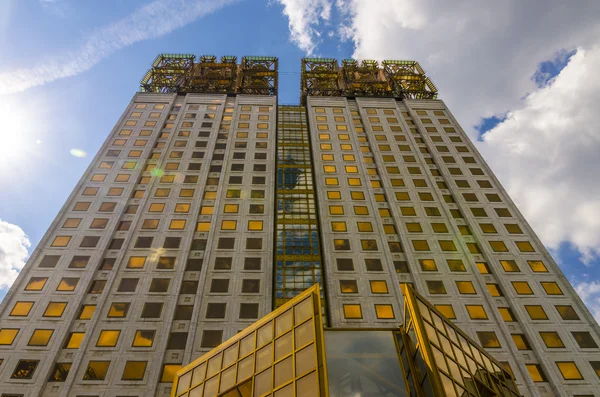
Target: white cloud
x=152, y=20
x=304, y=17
x=590, y=294
x=482, y=56
x=13, y=252
x=546, y=155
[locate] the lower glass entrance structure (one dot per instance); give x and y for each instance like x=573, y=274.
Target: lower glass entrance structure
x=288, y=353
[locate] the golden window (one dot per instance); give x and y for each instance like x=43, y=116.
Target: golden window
x=255, y=225
x=447, y=245
x=537, y=266
x=342, y=128
x=354, y=182
x=375, y=184
x=513, y=228
x=536, y=312
x=117, y=191
x=380, y=198
x=228, y=225
x=483, y=268
x=182, y=208
x=389, y=229
x=71, y=223
x=447, y=311
x=488, y=228
x=428, y=265
x=506, y=314
x=338, y=226
x=108, y=338
x=408, y=211
x=569, y=370
x=36, y=283
x=476, y=312
x=351, y=169
x=61, y=241
x=327, y=157
x=494, y=290
x=378, y=287
x=551, y=288
x=332, y=181
x=520, y=342
x=321, y=118
x=402, y=196
x=322, y=127
x=203, y=226
x=67, y=284
x=98, y=177
x=118, y=309
x=8, y=335
x=488, y=339
x=439, y=228
x=86, y=312
x=345, y=146
x=435, y=287
x=522, y=287
x=96, y=370
x=40, y=337
x=207, y=210
x=498, y=246
x=348, y=287
x=74, y=341
x=336, y=210
x=55, y=309
x=150, y=224
x=384, y=213
x=466, y=287
x=329, y=168
x=567, y=312
x=134, y=370
x=156, y=207
x=352, y=311
x=552, y=340
x=122, y=177
x=525, y=246
x=384, y=312
x=334, y=195
x=187, y=192
x=414, y=227
x=420, y=245
x=368, y=245
x=262, y=126
x=364, y=226
x=228, y=209
x=509, y=266
x=143, y=338
x=325, y=146
x=177, y=224
x=361, y=210
x=343, y=137
x=535, y=372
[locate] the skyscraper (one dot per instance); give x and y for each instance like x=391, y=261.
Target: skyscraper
x=210, y=205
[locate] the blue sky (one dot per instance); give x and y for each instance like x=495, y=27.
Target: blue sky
x=69, y=67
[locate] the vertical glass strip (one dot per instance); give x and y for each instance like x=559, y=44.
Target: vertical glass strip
x=298, y=262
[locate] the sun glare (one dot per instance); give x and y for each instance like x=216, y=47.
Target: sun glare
x=18, y=134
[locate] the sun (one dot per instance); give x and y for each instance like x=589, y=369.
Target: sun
x=18, y=140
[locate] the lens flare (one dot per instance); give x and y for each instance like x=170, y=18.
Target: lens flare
x=77, y=153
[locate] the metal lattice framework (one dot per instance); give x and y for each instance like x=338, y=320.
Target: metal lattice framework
x=398, y=79
x=181, y=73
x=408, y=80
x=258, y=76
x=321, y=77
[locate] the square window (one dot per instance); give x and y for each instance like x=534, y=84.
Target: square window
x=96, y=370
x=536, y=312
x=152, y=310
x=378, y=287
x=25, y=369
x=435, y=287
x=476, y=312
x=352, y=311
x=216, y=310
x=40, y=337
x=384, y=312
x=569, y=370
x=344, y=264
x=488, y=339
x=567, y=312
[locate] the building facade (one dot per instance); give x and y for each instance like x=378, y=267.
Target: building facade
x=209, y=205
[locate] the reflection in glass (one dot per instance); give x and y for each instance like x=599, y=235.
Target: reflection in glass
x=363, y=363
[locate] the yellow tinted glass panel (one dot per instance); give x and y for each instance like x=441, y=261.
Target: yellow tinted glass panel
x=476, y=312
x=378, y=286
x=7, y=336
x=143, y=338
x=447, y=311
x=36, y=283
x=108, y=338
x=87, y=311
x=352, y=311
x=228, y=225
x=569, y=370
x=522, y=288
x=61, y=241
x=551, y=288
x=203, y=227
x=74, y=340
x=55, y=309
x=384, y=311
x=21, y=309
x=255, y=225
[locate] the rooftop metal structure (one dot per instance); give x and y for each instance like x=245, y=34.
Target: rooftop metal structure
x=397, y=79
x=184, y=73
